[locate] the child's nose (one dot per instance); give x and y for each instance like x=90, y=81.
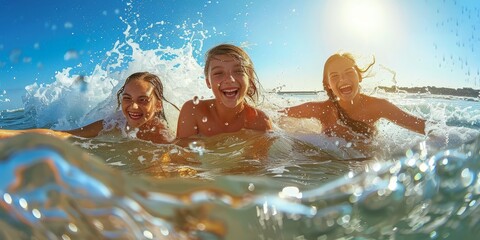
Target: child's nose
x=134, y=104
x=230, y=77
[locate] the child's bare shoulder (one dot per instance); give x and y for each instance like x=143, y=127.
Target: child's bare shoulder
x=196, y=105
x=371, y=100
x=324, y=106
x=253, y=112
x=257, y=119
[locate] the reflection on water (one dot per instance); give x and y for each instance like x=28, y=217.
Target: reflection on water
x=51, y=190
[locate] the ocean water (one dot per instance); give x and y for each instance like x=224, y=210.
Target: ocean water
x=293, y=183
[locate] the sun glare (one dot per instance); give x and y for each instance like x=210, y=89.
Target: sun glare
x=365, y=17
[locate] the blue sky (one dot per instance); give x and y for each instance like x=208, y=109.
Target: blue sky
x=426, y=42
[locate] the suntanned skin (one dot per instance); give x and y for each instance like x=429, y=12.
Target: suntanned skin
x=227, y=112
x=344, y=82
x=207, y=119
x=5, y=133
x=326, y=113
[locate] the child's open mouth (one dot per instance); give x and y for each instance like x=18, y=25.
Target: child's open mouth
x=230, y=93
x=135, y=116
x=346, y=89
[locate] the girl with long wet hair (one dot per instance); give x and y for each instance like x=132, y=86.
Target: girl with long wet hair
x=347, y=113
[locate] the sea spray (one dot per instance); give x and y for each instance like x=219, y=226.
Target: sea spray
x=53, y=189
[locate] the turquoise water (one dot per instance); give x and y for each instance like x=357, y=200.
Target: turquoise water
x=53, y=190
x=294, y=183
x=307, y=186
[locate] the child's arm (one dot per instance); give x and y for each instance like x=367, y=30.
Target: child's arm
x=4, y=133
x=88, y=131
x=401, y=118
x=305, y=110
x=187, y=124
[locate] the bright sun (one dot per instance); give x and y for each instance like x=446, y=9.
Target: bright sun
x=366, y=16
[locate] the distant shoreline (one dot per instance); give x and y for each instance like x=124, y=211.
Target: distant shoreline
x=460, y=92
x=298, y=92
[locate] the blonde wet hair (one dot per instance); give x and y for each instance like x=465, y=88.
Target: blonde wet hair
x=245, y=61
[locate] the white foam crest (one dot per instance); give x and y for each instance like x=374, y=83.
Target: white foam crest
x=120, y=55
x=72, y=100
x=450, y=123
x=66, y=100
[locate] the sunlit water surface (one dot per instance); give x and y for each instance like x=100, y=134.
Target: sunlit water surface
x=293, y=183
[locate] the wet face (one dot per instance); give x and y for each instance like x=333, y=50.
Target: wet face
x=343, y=79
x=228, y=80
x=139, y=104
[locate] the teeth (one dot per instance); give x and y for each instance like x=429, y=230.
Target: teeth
x=135, y=115
x=346, y=86
x=230, y=92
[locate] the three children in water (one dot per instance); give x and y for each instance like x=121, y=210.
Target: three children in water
x=230, y=74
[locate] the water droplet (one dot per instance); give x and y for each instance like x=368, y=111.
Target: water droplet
x=36, y=213
x=226, y=124
x=409, y=153
x=204, y=119
x=251, y=187
x=290, y=192
x=164, y=231
x=72, y=227
x=326, y=219
x=23, y=203
x=196, y=100
x=197, y=147
x=7, y=198
x=381, y=197
x=148, y=234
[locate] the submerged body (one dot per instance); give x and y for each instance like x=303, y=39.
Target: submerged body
x=207, y=119
x=230, y=74
x=140, y=99
x=327, y=114
x=348, y=113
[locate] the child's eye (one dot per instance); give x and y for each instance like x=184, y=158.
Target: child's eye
x=334, y=77
x=143, y=100
x=218, y=75
x=126, y=99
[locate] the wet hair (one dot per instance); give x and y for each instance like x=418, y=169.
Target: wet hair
x=157, y=89
x=359, y=127
x=245, y=61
